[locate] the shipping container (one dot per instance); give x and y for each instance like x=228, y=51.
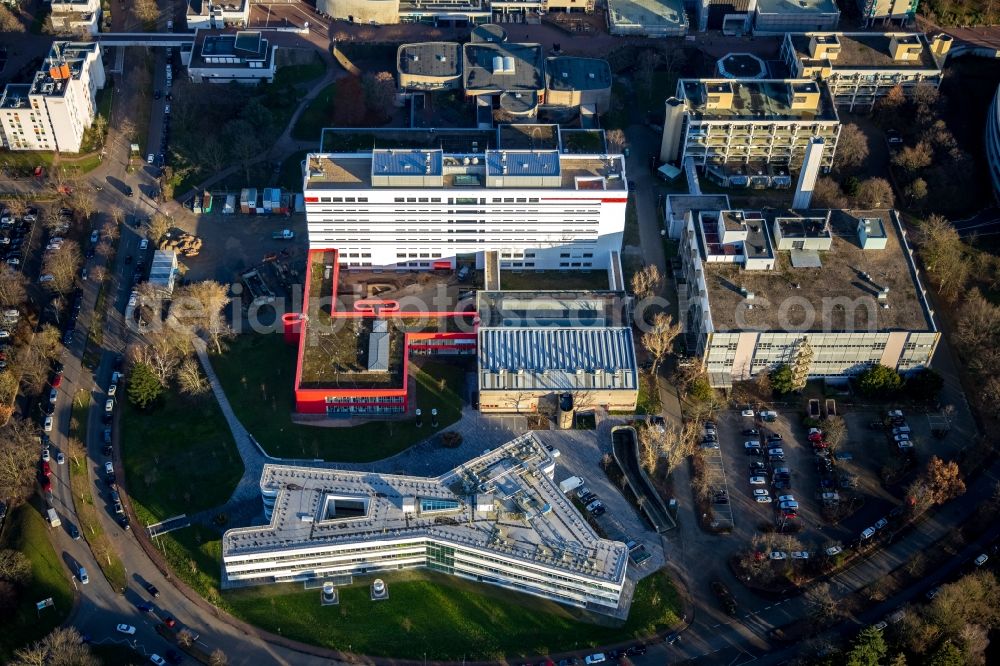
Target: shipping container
x=230, y=207
x=206, y=205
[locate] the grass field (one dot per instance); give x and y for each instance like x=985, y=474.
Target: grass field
x=260, y=369
x=648, y=401
x=293, y=75
x=447, y=618
x=565, y=279
x=316, y=115
x=27, y=532
x=179, y=456
x=83, y=499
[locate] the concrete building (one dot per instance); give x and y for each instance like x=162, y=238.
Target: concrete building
x=516, y=76
x=428, y=66
x=77, y=16
x=388, y=12
x=778, y=16
x=759, y=288
x=993, y=143
x=578, y=82
x=860, y=67
x=757, y=122
x=209, y=15
x=423, y=209
x=901, y=12
x=648, y=18
x=498, y=519
x=534, y=347
x=243, y=56
x=732, y=17
x=59, y=105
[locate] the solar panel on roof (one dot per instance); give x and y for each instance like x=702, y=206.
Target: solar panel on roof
x=248, y=42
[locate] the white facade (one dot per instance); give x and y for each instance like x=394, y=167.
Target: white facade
x=205, y=14
x=231, y=56
x=78, y=16
x=519, y=532
x=537, y=209
x=53, y=111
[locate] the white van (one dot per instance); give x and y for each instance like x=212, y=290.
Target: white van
x=53, y=518
x=82, y=575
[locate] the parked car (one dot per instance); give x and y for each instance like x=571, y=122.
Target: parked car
x=153, y=592
x=751, y=432
x=725, y=597
x=125, y=629
x=800, y=555
x=597, y=658
x=761, y=496
x=868, y=533
x=778, y=555
x=47, y=424
x=758, y=480
x=833, y=551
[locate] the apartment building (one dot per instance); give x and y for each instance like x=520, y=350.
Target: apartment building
x=778, y=16
x=54, y=110
x=77, y=16
x=860, y=67
x=902, y=12
x=227, y=56
x=758, y=122
x=209, y=15
x=497, y=519
x=433, y=208
x=838, y=290
x=536, y=347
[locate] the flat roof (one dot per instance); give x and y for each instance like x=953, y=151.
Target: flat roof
x=520, y=67
x=552, y=308
x=797, y=7
x=529, y=519
x=529, y=136
x=651, y=14
x=572, y=73
x=556, y=358
x=575, y=172
x=756, y=99
x=238, y=47
x=679, y=205
x=201, y=7
x=15, y=96
x=436, y=59
x=867, y=50
x=838, y=281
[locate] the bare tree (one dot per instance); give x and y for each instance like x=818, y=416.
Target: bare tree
x=159, y=225
x=63, y=646
x=646, y=281
x=12, y=286
x=659, y=339
x=672, y=445
x=616, y=140
x=185, y=638
x=15, y=566
x=146, y=10
x=31, y=361
x=821, y=604
x=852, y=148
x=163, y=352
x=827, y=194
x=380, y=92
x=190, y=380
x=200, y=306
x=876, y=193
x=944, y=255
x=18, y=461
x=63, y=265
x=117, y=215
x=218, y=658
x=9, y=22
x=84, y=201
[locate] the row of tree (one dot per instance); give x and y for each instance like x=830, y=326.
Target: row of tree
x=166, y=356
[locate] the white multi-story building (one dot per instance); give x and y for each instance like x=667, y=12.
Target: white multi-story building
x=888, y=11
x=209, y=15
x=424, y=209
x=54, y=110
x=718, y=122
x=761, y=289
x=498, y=519
x=227, y=56
x=860, y=67
x=76, y=16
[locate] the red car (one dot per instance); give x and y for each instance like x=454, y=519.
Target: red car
x=56, y=381
x=46, y=470
x=170, y=622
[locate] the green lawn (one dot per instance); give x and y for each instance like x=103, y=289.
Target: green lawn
x=27, y=531
x=258, y=373
x=631, y=235
x=447, y=618
x=290, y=75
x=195, y=556
x=648, y=401
x=179, y=456
x=316, y=115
